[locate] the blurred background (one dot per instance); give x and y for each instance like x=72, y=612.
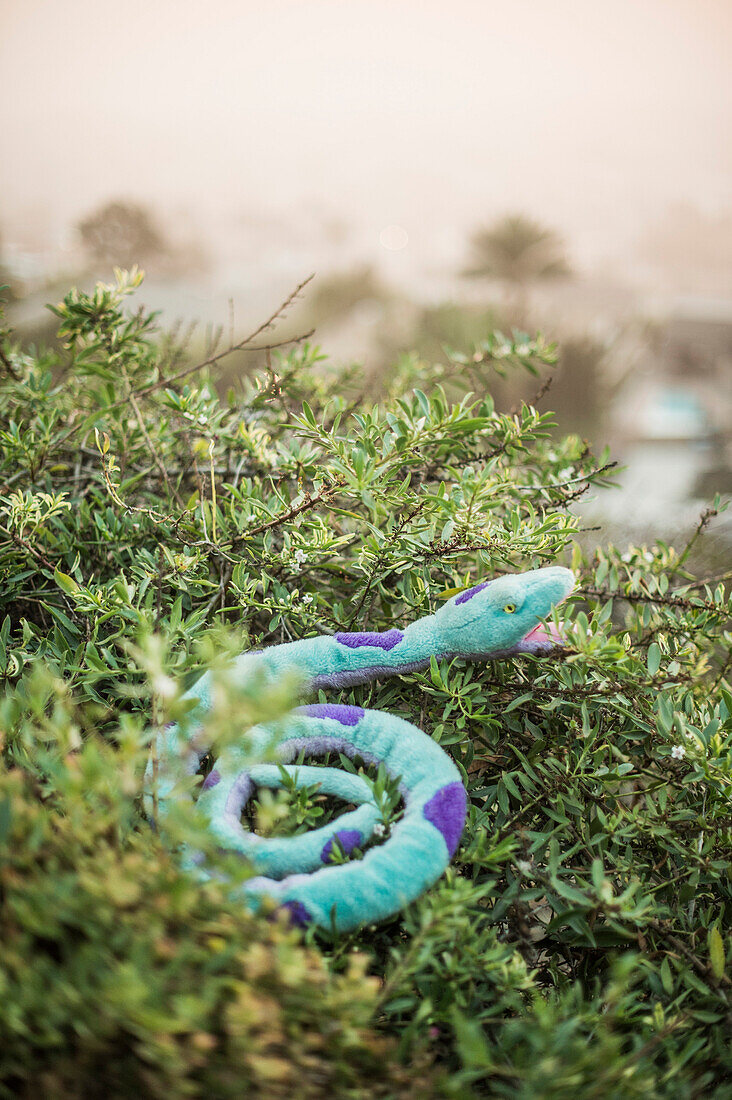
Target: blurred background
x=444, y=169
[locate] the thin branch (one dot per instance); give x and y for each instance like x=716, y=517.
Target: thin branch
x=276, y=521
x=281, y=309
x=645, y=597
x=534, y=401
x=242, y=345
x=707, y=515
x=9, y=367
x=700, y=966
x=19, y=541
x=220, y=593
x=379, y=560
x=148, y=441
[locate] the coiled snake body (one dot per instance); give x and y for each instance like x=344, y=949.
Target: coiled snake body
x=496, y=618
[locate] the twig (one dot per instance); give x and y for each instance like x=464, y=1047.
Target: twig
x=455, y=546
x=19, y=541
x=224, y=578
x=214, y=503
x=242, y=345
x=284, y=517
x=716, y=578
x=541, y=392
x=9, y=367
x=382, y=554
x=280, y=309
x=509, y=687
x=148, y=441
x=722, y=674
x=645, y=597
x=157, y=517
x=704, y=518
x=572, y=481
x=696, y=962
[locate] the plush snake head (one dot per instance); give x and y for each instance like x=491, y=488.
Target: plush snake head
x=503, y=617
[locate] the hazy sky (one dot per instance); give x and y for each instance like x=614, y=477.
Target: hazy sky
x=431, y=114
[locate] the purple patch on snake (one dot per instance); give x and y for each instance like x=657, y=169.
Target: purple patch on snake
x=241, y=791
x=371, y=638
x=350, y=676
x=299, y=915
x=346, y=715
x=211, y=780
x=465, y=596
x=446, y=811
x=347, y=838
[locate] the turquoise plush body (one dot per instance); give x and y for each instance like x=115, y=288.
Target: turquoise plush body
x=496, y=618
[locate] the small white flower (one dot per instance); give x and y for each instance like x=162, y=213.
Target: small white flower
x=523, y=349
x=297, y=560
x=678, y=752
x=165, y=686
x=379, y=829
x=627, y=557
x=308, y=598
x=524, y=866
x=565, y=472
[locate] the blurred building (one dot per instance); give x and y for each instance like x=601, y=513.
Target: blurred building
x=672, y=420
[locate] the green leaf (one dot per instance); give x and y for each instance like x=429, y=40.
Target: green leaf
x=64, y=581
x=518, y=702
x=654, y=658
x=471, y=1041
x=716, y=952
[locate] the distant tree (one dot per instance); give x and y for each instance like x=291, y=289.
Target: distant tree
x=342, y=292
x=8, y=285
x=121, y=233
x=517, y=251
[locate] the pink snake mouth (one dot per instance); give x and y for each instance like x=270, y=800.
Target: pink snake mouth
x=543, y=634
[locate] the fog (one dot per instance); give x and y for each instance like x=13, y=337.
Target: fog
x=368, y=141
x=596, y=118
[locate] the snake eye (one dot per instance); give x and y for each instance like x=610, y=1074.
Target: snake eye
x=510, y=608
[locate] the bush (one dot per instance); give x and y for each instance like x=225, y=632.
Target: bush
x=149, y=528
x=122, y=977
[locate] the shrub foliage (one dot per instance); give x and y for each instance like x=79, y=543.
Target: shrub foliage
x=150, y=527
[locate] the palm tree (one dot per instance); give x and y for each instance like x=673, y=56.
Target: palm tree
x=517, y=251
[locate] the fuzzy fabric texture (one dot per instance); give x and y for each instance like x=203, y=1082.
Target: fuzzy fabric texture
x=494, y=618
